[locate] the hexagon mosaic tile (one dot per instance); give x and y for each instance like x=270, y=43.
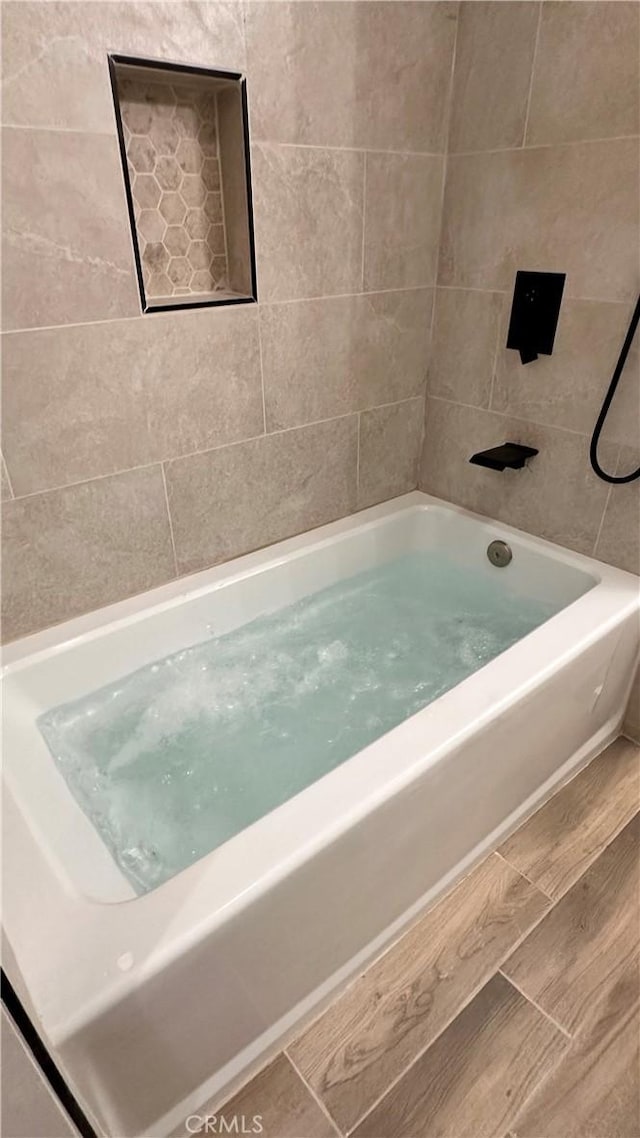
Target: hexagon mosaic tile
x=172, y=153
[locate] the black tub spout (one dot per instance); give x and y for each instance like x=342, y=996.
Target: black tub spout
x=511, y=455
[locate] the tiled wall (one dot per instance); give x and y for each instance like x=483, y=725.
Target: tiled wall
x=542, y=173
x=171, y=138
x=141, y=447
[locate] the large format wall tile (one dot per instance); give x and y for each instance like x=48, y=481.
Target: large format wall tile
x=599, y=97
x=228, y=501
x=373, y=75
x=97, y=398
x=494, y=56
x=571, y=209
x=323, y=358
x=566, y=388
x=463, y=346
x=390, y=441
x=67, y=248
x=619, y=539
x=55, y=54
x=402, y=220
x=75, y=549
x=556, y=496
x=308, y=218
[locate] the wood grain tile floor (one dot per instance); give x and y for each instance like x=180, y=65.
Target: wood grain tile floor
x=511, y=1009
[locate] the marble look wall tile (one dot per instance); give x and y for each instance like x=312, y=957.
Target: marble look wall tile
x=75, y=549
x=323, y=358
x=556, y=496
x=464, y=343
x=566, y=389
x=402, y=220
x=600, y=98
x=96, y=398
x=390, y=442
x=374, y=75
x=308, y=221
x=67, y=248
x=229, y=501
x=619, y=540
x=55, y=54
x=494, y=57
x=570, y=209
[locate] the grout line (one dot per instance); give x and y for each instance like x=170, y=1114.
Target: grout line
x=173, y=543
x=345, y=149
x=364, y=214
x=516, y=869
x=264, y=404
x=293, y=300
x=358, y=459
x=606, y=505
x=545, y=145
x=533, y=69
x=313, y=1094
x=494, y=371
x=533, y=1003
x=511, y=415
x=8, y=477
x=445, y=157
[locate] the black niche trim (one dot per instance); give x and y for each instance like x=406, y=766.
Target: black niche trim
x=114, y=59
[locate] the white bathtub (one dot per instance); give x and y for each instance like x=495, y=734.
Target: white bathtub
x=152, y=1004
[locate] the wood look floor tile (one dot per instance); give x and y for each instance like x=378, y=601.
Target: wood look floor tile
x=588, y=940
x=566, y=835
x=473, y=1080
x=595, y=1090
x=360, y=1045
x=279, y=1102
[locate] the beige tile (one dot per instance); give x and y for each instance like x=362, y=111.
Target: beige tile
x=399, y=1005
x=390, y=441
x=494, y=56
x=67, y=247
x=564, y=837
x=473, y=1080
x=238, y=498
x=73, y=550
x=566, y=389
x=556, y=496
x=29, y=1108
x=54, y=55
x=350, y=74
x=278, y=1102
x=601, y=97
x=463, y=346
x=308, y=221
x=588, y=941
x=632, y=719
x=89, y=400
x=595, y=1089
x=619, y=539
x=402, y=220
x=571, y=209
x=323, y=358
x=5, y=485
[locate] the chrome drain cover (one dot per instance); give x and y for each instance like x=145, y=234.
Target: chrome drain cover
x=499, y=554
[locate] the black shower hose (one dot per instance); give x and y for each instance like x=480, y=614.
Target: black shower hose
x=604, y=410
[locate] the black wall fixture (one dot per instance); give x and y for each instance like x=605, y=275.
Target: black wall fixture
x=534, y=314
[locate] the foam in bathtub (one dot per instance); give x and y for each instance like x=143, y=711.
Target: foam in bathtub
x=176, y=758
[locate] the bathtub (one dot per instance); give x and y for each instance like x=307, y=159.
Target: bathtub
x=151, y=1005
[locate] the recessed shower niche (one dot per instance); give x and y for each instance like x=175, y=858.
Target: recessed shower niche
x=184, y=146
